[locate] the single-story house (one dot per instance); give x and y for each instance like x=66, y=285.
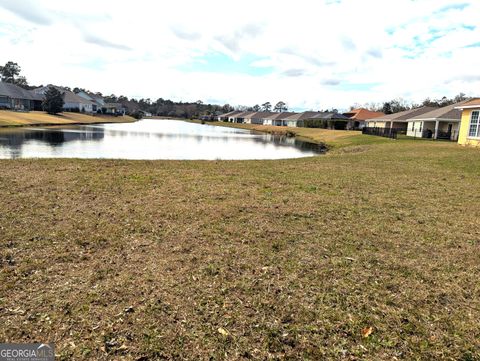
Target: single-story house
x=398, y=120
x=240, y=118
x=469, y=133
x=14, y=97
x=327, y=120
x=278, y=119
x=72, y=102
x=441, y=123
x=226, y=116
x=257, y=118
x=97, y=101
x=297, y=119
x=113, y=109
x=359, y=116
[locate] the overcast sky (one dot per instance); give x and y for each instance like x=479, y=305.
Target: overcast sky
x=311, y=54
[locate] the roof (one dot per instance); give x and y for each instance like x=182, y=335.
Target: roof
x=302, y=116
x=450, y=112
x=229, y=114
x=244, y=114
x=280, y=116
x=403, y=116
x=16, y=92
x=472, y=103
x=329, y=116
x=68, y=96
x=362, y=114
x=260, y=115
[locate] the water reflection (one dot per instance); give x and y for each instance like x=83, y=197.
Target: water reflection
x=150, y=139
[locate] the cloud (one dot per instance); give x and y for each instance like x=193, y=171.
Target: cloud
x=294, y=72
x=27, y=10
x=332, y=82
x=92, y=39
x=185, y=35
x=225, y=51
x=375, y=53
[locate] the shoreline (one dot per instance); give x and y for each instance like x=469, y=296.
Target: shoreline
x=10, y=119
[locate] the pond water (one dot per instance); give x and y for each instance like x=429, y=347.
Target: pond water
x=149, y=139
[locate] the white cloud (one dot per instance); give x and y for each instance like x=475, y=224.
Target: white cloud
x=322, y=54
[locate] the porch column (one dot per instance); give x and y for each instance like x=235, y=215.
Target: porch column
x=437, y=124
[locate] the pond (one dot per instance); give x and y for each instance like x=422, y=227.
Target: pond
x=149, y=139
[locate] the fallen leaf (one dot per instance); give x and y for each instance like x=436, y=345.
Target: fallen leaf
x=367, y=331
x=223, y=331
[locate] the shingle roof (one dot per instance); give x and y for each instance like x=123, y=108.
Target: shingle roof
x=472, y=103
x=16, y=92
x=329, y=116
x=449, y=112
x=260, y=115
x=403, y=116
x=362, y=114
x=280, y=116
x=302, y=116
x=229, y=114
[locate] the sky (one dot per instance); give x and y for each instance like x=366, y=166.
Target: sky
x=311, y=54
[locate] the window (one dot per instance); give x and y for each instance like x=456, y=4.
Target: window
x=413, y=126
x=474, y=130
x=421, y=126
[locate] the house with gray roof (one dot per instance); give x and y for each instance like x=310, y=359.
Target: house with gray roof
x=398, y=121
x=440, y=123
x=257, y=117
x=327, y=120
x=297, y=119
x=72, y=102
x=278, y=119
x=14, y=97
x=226, y=116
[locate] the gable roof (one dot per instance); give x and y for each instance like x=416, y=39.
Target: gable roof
x=450, y=112
x=68, y=96
x=16, y=92
x=260, y=115
x=329, y=116
x=302, y=116
x=472, y=103
x=402, y=116
x=280, y=116
x=362, y=114
x=229, y=114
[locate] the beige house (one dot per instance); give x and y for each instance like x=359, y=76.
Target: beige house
x=440, y=123
x=297, y=120
x=398, y=120
x=257, y=117
x=278, y=119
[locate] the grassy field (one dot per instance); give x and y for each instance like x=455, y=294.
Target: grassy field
x=9, y=118
x=369, y=252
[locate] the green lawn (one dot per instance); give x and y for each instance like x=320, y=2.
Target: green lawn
x=237, y=260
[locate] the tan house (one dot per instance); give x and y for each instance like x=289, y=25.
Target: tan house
x=257, y=117
x=398, y=121
x=440, y=123
x=278, y=119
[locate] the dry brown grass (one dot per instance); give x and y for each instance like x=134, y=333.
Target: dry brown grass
x=234, y=260
x=9, y=118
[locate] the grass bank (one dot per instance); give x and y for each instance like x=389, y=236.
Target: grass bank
x=18, y=119
x=364, y=253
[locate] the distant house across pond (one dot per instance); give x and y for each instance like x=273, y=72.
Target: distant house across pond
x=13, y=97
x=72, y=101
